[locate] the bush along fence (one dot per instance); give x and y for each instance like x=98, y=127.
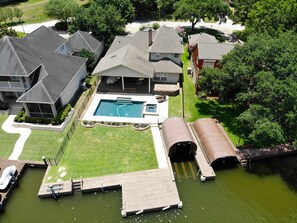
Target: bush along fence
x=80, y=106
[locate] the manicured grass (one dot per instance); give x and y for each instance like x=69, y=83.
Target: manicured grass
x=42, y=143
x=33, y=10
x=195, y=108
x=7, y=141
x=104, y=150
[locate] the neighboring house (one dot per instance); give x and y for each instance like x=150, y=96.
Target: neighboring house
x=81, y=40
x=206, y=51
x=33, y=73
x=147, y=57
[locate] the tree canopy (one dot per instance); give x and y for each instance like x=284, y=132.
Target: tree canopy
x=103, y=22
x=125, y=8
x=273, y=16
x=242, y=8
x=261, y=76
x=61, y=9
x=195, y=10
x=5, y=31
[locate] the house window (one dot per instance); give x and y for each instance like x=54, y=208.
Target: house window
x=157, y=55
x=40, y=110
x=176, y=55
x=160, y=77
x=207, y=63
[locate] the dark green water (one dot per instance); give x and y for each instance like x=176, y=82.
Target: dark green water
x=234, y=196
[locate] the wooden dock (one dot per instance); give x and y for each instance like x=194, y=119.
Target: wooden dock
x=20, y=167
x=249, y=154
x=55, y=189
x=143, y=191
x=206, y=171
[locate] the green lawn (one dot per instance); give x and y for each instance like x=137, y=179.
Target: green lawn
x=7, y=141
x=33, y=10
x=104, y=150
x=42, y=143
x=195, y=108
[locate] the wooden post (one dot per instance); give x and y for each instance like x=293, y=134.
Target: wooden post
x=44, y=160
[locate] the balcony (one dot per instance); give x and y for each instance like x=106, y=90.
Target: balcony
x=11, y=86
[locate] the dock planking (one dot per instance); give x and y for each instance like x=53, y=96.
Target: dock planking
x=142, y=191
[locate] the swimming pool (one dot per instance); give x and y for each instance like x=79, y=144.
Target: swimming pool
x=121, y=107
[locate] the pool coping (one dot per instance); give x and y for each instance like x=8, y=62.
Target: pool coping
x=162, y=109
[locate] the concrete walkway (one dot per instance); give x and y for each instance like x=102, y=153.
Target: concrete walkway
x=24, y=135
x=159, y=148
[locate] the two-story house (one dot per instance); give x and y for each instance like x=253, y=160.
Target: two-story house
x=37, y=73
x=150, y=58
x=206, y=51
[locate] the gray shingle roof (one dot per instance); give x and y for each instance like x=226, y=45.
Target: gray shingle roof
x=213, y=51
x=21, y=57
x=10, y=62
x=46, y=38
x=139, y=40
x=127, y=56
x=166, y=40
x=201, y=38
x=80, y=40
x=167, y=66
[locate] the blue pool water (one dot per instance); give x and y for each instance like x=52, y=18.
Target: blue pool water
x=151, y=108
x=131, y=109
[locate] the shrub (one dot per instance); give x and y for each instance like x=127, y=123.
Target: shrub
x=155, y=25
x=62, y=26
x=60, y=118
x=143, y=27
x=20, y=116
x=4, y=106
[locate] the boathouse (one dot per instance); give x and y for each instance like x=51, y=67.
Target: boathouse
x=214, y=141
x=178, y=140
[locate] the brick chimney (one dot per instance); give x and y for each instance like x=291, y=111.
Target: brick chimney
x=150, y=36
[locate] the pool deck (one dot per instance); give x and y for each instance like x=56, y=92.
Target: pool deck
x=162, y=109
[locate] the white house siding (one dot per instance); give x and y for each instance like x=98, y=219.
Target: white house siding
x=62, y=50
x=73, y=85
x=99, y=50
x=160, y=56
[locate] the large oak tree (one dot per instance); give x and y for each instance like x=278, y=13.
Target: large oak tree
x=261, y=76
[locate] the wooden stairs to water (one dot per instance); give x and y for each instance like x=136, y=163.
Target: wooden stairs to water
x=76, y=186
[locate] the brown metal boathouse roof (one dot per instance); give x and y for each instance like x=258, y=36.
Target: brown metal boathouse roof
x=213, y=139
x=176, y=131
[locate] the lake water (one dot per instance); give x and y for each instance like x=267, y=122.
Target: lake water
x=234, y=196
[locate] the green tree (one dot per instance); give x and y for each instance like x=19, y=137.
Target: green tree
x=103, y=22
x=3, y=15
x=261, y=76
x=10, y=13
x=61, y=9
x=125, y=7
x=18, y=13
x=144, y=8
x=242, y=8
x=195, y=10
x=165, y=6
x=5, y=31
x=267, y=133
x=272, y=16
x=91, y=62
